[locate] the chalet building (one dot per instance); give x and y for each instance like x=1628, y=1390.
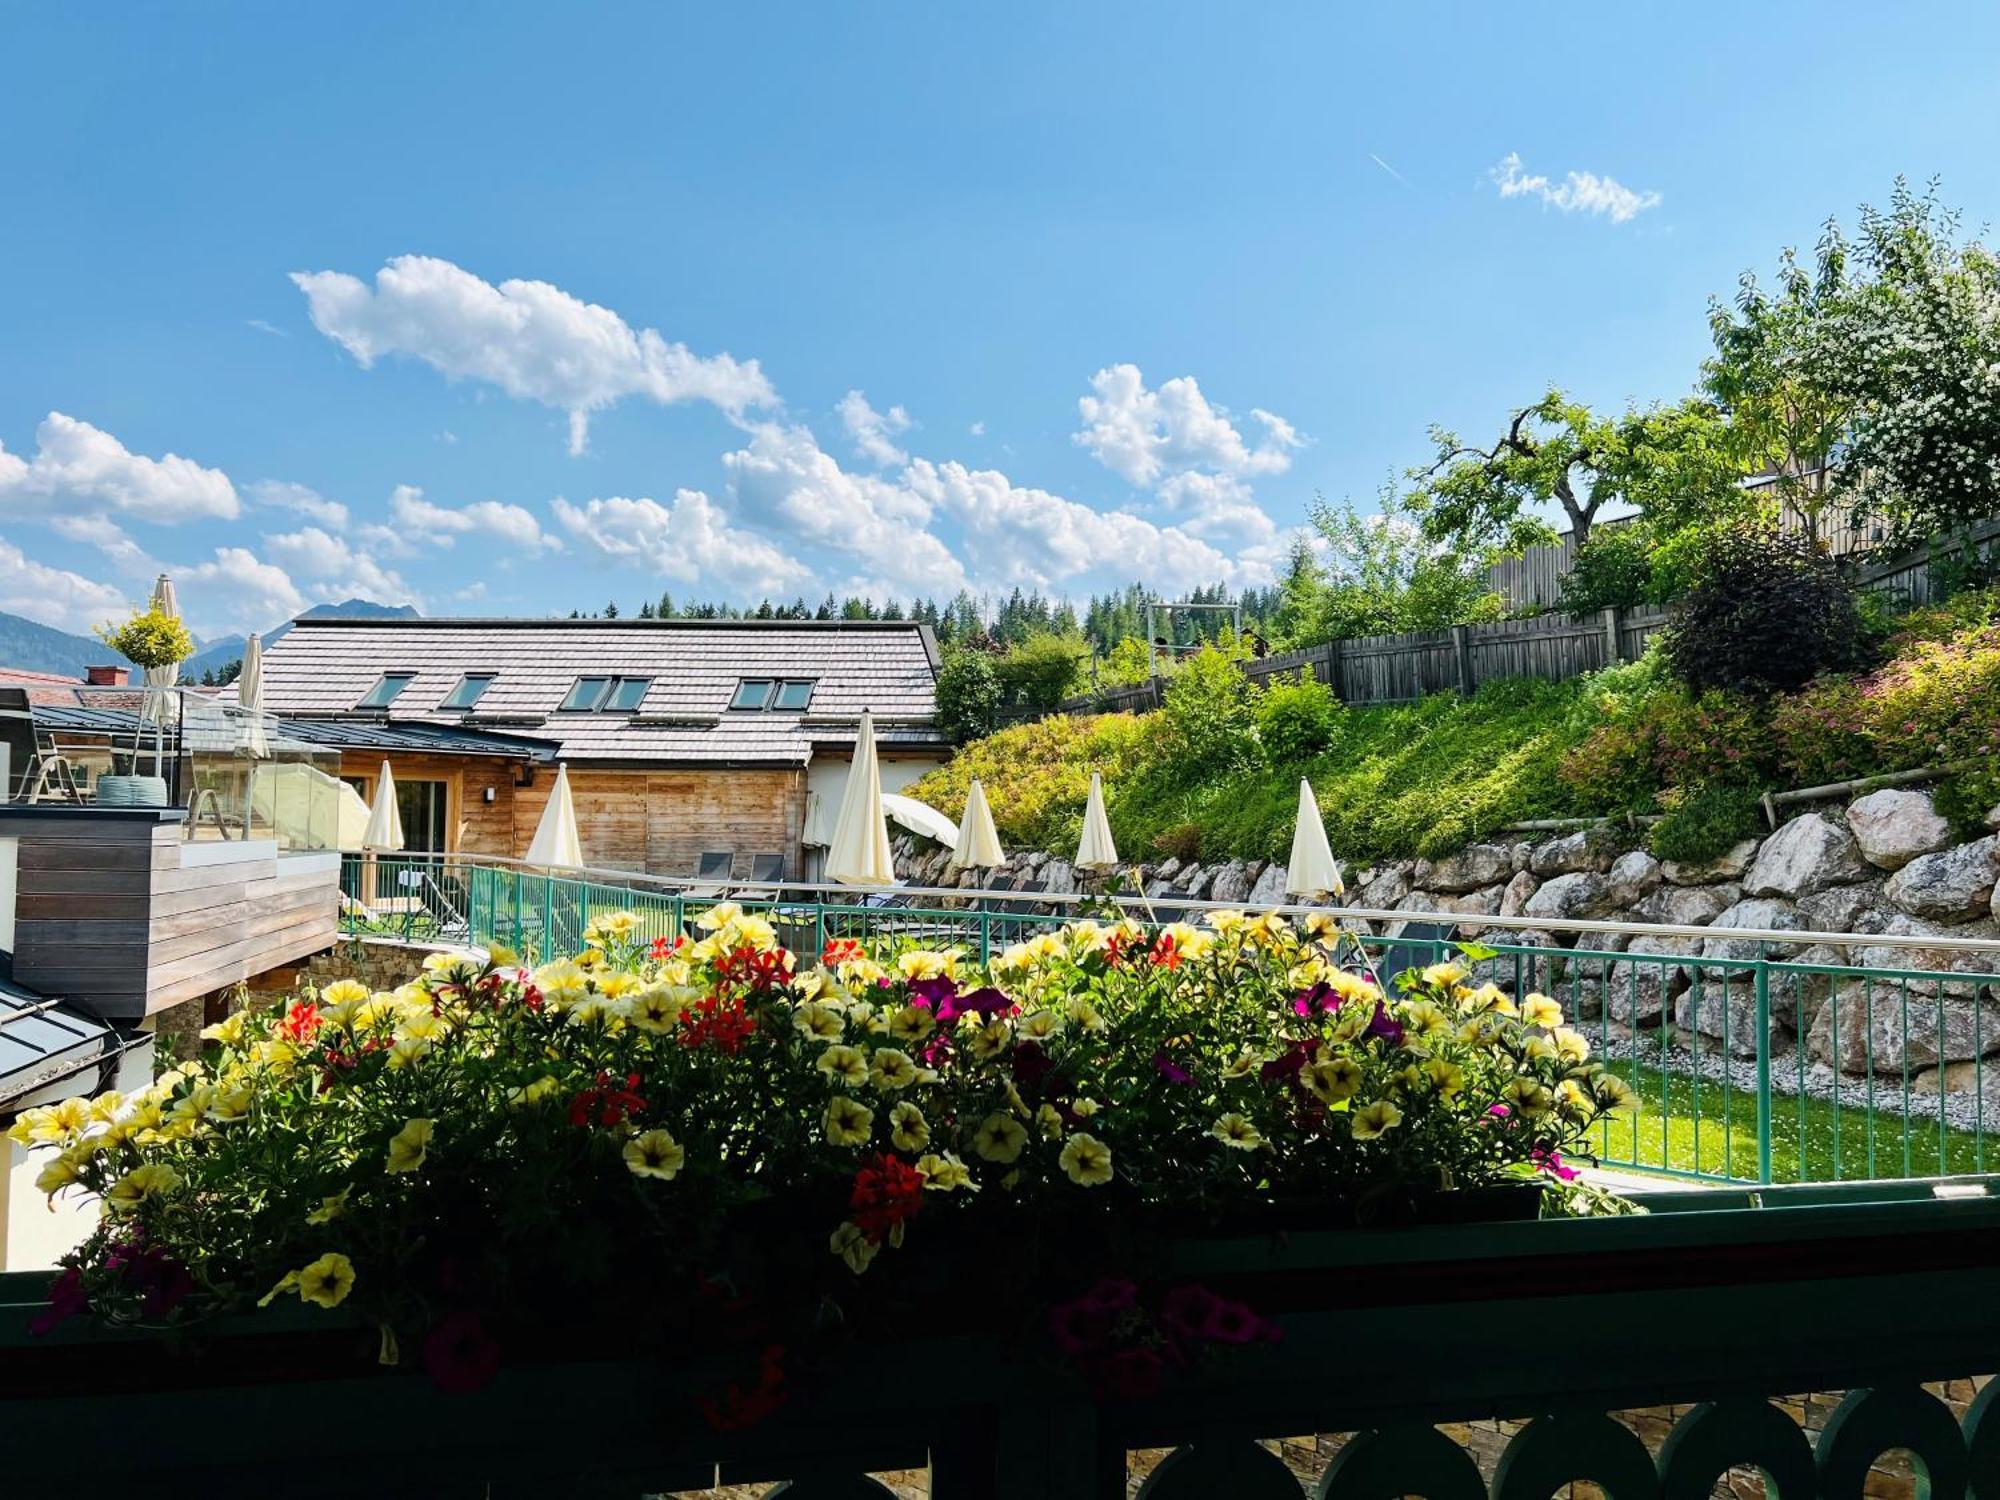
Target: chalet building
x=681, y=737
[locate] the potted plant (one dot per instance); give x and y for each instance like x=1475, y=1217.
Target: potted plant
x=151, y=640
x=722, y=1148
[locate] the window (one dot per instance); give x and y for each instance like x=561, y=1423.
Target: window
x=384, y=692
x=616, y=694
x=471, y=688
x=784, y=695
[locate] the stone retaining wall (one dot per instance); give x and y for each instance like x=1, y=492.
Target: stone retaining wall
x=1887, y=864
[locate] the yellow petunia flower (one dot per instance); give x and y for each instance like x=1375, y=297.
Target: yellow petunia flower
x=1331, y=1079
x=718, y=916
x=656, y=1009
x=139, y=1184
x=912, y=1024
x=406, y=1052
x=411, y=1145
x=1443, y=975
x=1086, y=1160
x=228, y=1031
x=330, y=1207
x=229, y=1105
x=1040, y=1026
x=851, y=1243
x=654, y=1153
x=618, y=985
x=945, y=1173
x=1572, y=1046
x=56, y=1176
x=844, y=1064
x=755, y=932
x=344, y=992
x=1613, y=1094
x=533, y=1093
x=327, y=1281
x=848, y=1121
x=989, y=1041
x=1372, y=1120
x=1244, y=1064
x=1447, y=1077
x=1083, y=1109
x=1235, y=1130
x=890, y=1069
x=1050, y=1120
x=927, y=964
x=821, y=1022
x=1540, y=1010
x=1321, y=927
x=908, y=1130
x=1527, y=1096
x=1000, y=1137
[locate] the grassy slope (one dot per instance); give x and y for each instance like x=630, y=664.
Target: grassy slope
x=1419, y=778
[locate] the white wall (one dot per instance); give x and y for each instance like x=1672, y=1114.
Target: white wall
x=826, y=780
x=34, y=1235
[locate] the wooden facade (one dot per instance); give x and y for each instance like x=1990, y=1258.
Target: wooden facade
x=113, y=908
x=656, y=821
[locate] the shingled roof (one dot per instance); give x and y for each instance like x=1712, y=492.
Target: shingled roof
x=324, y=668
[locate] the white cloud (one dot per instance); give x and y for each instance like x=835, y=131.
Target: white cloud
x=1577, y=193
x=105, y=534
x=690, y=541
x=333, y=568
x=55, y=596
x=238, y=589
x=784, y=481
x=271, y=328
x=978, y=429
x=1145, y=436
x=83, y=467
x=533, y=340
x=281, y=495
x=416, y=518
x=873, y=431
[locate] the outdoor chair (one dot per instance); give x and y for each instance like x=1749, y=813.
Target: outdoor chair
x=29, y=770
x=1414, y=945
x=712, y=870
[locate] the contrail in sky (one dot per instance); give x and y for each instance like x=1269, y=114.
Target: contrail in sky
x=1392, y=171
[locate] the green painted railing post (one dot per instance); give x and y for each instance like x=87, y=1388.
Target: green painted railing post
x=547, y=950
x=985, y=937
x=1763, y=981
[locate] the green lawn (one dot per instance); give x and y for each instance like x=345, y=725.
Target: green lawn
x=1696, y=1126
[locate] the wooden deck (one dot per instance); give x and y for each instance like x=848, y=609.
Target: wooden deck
x=113, y=909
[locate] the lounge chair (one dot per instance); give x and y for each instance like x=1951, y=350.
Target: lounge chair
x=712, y=871
x=1413, y=945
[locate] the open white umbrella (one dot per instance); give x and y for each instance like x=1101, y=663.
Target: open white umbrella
x=556, y=842
x=250, y=698
x=385, y=819
x=978, y=844
x=308, y=807
x=1312, y=871
x=1096, y=851
x=919, y=817
x=859, y=853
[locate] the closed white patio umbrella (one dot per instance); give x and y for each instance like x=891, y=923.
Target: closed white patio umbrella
x=859, y=853
x=1312, y=871
x=159, y=703
x=1096, y=851
x=978, y=843
x=919, y=817
x=250, y=697
x=557, y=843
x=385, y=819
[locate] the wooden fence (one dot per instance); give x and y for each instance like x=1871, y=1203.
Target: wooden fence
x=1401, y=668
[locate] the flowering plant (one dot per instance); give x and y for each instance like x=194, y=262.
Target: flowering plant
x=737, y=1135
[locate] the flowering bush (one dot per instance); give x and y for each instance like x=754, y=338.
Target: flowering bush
x=738, y=1135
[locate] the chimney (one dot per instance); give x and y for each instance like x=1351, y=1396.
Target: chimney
x=105, y=676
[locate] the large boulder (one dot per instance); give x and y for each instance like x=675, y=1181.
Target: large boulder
x=1474, y=866
x=1587, y=851
x=1951, y=885
x=1634, y=876
x=1808, y=854
x=1231, y=883
x=1516, y=893
x=1929, y=960
x=1061, y=878
x=1845, y=908
x=1895, y=825
x=1687, y=905
x=1760, y=913
x=1387, y=890
x=1864, y=1027
x=1578, y=895
x=1728, y=865
x=1640, y=988
x=1270, y=887
x=1193, y=882
x=1727, y=1014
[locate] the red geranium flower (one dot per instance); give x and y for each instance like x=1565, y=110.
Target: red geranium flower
x=886, y=1191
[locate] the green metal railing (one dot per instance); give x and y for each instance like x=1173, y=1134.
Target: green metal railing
x=1750, y=1067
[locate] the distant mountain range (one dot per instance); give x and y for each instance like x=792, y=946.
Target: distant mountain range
x=34, y=647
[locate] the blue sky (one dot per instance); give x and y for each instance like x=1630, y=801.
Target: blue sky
x=383, y=278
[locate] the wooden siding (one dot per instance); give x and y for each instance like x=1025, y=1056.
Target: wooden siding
x=659, y=822
x=123, y=916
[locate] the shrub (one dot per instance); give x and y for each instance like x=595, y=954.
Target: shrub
x=968, y=695
x=1767, y=613
x=1041, y=671
x=1208, y=723
x=1298, y=719
x=1614, y=569
x=1037, y=775
x=1703, y=823
x=1966, y=796
x=1669, y=739
x=1181, y=841
x=151, y=638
